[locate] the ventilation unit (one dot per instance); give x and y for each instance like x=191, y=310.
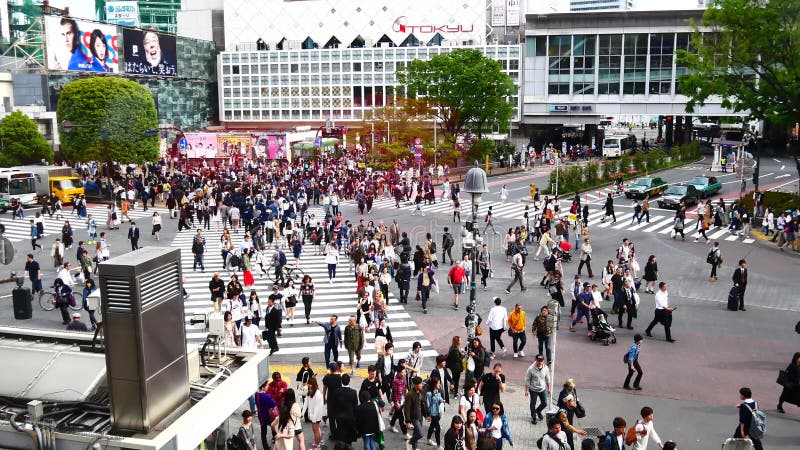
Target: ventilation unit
x=145, y=338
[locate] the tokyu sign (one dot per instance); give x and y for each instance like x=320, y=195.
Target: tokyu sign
x=402, y=25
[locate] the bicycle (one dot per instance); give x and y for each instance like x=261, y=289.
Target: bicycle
x=48, y=300
x=295, y=274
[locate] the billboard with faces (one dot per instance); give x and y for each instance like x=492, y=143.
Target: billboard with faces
x=81, y=45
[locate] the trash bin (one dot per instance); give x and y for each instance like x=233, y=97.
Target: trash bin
x=23, y=303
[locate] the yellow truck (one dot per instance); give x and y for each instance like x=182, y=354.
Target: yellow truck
x=63, y=182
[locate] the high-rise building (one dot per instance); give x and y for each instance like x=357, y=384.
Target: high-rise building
x=600, y=5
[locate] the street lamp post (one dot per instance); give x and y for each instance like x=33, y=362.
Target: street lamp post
x=475, y=184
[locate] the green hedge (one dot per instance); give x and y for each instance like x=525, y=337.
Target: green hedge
x=580, y=178
x=777, y=202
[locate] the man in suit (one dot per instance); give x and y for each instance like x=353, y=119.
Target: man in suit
x=344, y=403
x=272, y=323
x=627, y=303
x=740, y=281
x=445, y=377
x=133, y=236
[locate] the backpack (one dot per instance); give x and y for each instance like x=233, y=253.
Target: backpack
x=235, y=261
x=235, y=443
x=281, y=258
x=553, y=437
x=710, y=258
x=758, y=426
x=432, y=247
x=447, y=240
x=630, y=435
x=604, y=442
x=487, y=358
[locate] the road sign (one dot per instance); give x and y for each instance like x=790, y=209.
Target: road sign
x=318, y=143
x=183, y=144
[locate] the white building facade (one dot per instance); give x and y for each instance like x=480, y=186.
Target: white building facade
x=289, y=63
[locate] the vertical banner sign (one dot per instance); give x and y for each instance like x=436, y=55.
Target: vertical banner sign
x=498, y=13
x=123, y=13
x=512, y=13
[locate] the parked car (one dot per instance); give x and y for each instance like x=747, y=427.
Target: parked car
x=706, y=185
x=644, y=186
x=677, y=193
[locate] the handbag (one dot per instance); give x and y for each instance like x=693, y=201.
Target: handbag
x=418, y=297
x=580, y=412
x=783, y=378
x=478, y=330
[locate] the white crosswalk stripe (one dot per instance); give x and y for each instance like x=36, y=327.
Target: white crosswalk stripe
x=20, y=230
x=299, y=339
x=659, y=224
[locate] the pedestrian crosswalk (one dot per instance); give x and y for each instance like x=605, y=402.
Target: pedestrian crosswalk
x=661, y=222
x=20, y=229
x=297, y=338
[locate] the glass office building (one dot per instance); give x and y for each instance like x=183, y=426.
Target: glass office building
x=317, y=84
x=579, y=68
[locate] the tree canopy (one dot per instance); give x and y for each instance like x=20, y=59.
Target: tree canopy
x=21, y=142
x=462, y=88
x=112, y=120
x=747, y=54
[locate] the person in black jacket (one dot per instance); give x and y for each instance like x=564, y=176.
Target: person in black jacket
x=740, y=281
x=272, y=323
x=445, y=377
x=217, y=288
x=454, y=437
x=366, y=420
x=343, y=405
x=791, y=391
x=133, y=236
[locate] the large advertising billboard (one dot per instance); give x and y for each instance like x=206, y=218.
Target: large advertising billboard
x=234, y=145
x=149, y=53
x=81, y=45
x=271, y=146
x=201, y=145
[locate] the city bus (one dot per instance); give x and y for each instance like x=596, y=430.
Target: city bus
x=17, y=184
x=615, y=146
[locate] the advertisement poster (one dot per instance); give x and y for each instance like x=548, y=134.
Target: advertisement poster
x=498, y=13
x=123, y=13
x=512, y=13
x=271, y=146
x=149, y=53
x=201, y=145
x=80, y=45
x=234, y=145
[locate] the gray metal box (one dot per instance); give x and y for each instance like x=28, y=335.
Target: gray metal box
x=143, y=321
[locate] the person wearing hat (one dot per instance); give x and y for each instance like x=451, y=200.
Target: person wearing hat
x=76, y=324
x=537, y=385
x=566, y=416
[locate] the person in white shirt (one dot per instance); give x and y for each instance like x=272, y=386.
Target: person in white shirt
x=503, y=194
x=663, y=314
x=251, y=337
x=496, y=321
x=235, y=307
x=644, y=430
x=331, y=259
x=65, y=275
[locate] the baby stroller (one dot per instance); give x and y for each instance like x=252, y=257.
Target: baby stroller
x=563, y=251
x=601, y=330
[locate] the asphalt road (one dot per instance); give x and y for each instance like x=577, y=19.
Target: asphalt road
x=716, y=351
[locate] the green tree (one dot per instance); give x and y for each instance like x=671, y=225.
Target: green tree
x=747, y=55
x=21, y=142
x=462, y=88
x=112, y=119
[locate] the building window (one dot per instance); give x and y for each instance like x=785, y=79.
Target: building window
x=635, y=69
x=609, y=63
x=559, y=52
x=682, y=42
x=662, y=50
x=584, y=51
